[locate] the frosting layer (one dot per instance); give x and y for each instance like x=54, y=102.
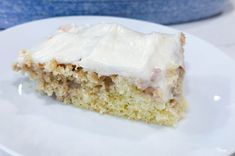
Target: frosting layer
x=114, y=49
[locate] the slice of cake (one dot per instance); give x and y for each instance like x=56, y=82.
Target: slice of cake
x=111, y=69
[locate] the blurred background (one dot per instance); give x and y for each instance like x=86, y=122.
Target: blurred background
x=14, y=12
x=212, y=20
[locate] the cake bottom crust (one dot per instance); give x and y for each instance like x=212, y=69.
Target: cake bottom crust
x=113, y=94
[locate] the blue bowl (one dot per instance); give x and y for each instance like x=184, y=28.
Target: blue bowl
x=14, y=12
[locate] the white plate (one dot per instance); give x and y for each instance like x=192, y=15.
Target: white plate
x=31, y=124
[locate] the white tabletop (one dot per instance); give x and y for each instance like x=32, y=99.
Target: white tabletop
x=218, y=30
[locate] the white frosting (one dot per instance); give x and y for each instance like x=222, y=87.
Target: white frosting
x=113, y=49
